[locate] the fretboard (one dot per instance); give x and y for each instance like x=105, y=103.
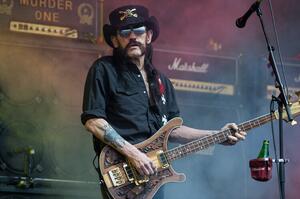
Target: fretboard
x=216, y=138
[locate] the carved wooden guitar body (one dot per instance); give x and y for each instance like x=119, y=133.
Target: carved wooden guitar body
x=123, y=181
x=146, y=188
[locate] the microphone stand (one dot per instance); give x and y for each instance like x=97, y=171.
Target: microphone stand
x=26, y=181
x=283, y=104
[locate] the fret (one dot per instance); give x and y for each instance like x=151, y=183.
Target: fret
x=168, y=156
x=182, y=151
x=192, y=147
x=217, y=139
x=176, y=154
x=258, y=123
x=196, y=144
x=241, y=126
x=179, y=152
x=250, y=125
x=210, y=140
x=195, y=147
x=200, y=144
x=187, y=150
x=224, y=135
x=206, y=141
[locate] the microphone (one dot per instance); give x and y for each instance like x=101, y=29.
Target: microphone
x=241, y=22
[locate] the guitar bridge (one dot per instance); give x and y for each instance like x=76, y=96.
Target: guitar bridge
x=116, y=177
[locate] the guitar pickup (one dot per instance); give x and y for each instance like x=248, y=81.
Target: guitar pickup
x=116, y=177
x=162, y=159
x=133, y=175
x=129, y=172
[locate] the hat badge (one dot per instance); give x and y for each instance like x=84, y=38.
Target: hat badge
x=127, y=13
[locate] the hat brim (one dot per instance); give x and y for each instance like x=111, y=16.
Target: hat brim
x=151, y=24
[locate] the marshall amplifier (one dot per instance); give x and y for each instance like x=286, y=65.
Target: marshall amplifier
x=195, y=75
x=59, y=18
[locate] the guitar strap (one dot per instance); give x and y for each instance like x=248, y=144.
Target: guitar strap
x=159, y=101
x=104, y=190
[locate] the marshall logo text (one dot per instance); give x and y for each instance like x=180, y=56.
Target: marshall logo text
x=179, y=66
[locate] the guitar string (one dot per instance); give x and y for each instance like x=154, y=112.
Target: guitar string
x=207, y=141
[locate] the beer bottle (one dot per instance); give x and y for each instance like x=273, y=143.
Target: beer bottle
x=264, y=151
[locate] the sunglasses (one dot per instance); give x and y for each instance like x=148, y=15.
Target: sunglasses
x=137, y=31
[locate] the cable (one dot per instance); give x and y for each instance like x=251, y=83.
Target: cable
x=278, y=47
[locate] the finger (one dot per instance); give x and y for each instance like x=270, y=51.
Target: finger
x=140, y=171
x=243, y=133
x=232, y=138
x=240, y=136
x=149, y=169
x=145, y=170
x=234, y=126
x=153, y=167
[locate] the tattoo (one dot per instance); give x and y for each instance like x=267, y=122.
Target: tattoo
x=112, y=137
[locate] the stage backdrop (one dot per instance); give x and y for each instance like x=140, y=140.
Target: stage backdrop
x=46, y=48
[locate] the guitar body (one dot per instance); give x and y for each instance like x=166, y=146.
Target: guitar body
x=121, y=179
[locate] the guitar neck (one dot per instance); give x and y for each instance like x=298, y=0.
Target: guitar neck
x=216, y=138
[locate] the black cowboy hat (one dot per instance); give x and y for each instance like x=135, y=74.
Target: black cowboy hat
x=129, y=16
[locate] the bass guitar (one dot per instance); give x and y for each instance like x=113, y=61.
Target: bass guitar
x=124, y=182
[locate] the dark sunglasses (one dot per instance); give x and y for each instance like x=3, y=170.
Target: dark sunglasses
x=137, y=31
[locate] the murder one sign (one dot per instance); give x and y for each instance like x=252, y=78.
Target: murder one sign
x=55, y=12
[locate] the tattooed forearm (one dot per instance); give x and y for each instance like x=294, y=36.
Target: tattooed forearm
x=112, y=137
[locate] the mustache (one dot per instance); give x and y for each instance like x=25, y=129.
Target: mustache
x=133, y=43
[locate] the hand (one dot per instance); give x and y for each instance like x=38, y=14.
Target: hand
x=236, y=136
x=142, y=163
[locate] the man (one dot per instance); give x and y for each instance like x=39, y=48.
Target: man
x=126, y=100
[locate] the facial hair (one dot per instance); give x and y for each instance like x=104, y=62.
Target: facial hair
x=124, y=51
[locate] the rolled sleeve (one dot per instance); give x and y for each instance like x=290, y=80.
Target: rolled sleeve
x=95, y=94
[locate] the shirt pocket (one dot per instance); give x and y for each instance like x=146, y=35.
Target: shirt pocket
x=126, y=96
x=127, y=101
x=127, y=92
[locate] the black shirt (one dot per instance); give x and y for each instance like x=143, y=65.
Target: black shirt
x=120, y=97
